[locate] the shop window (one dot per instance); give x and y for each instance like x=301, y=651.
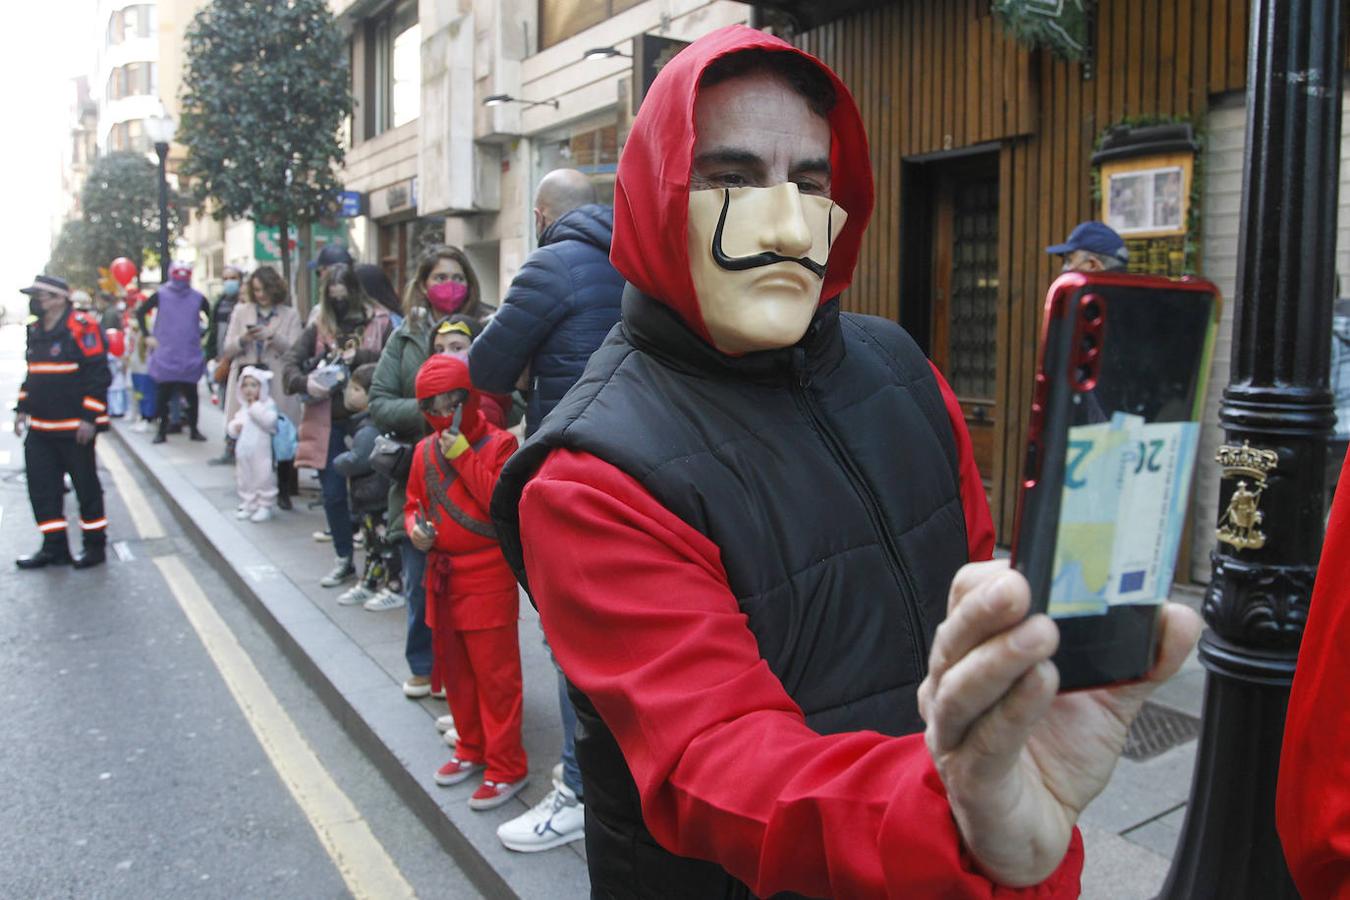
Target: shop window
x=561, y=19
x=394, y=68
x=589, y=148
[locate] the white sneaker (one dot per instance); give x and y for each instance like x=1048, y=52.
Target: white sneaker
x=558, y=773
x=385, y=600
x=242, y=513
x=451, y=738
x=558, y=819
x=322, y=537
x=358, y=539
x=141, y=426
x=264, y=514
x=355, y=596
x=445, y=723
x=343, y=572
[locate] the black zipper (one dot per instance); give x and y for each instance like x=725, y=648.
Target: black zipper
x=802, y=381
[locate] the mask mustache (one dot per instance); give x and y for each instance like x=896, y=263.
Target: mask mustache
x=768, y=257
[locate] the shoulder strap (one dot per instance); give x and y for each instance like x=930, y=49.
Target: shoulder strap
x=440, y=475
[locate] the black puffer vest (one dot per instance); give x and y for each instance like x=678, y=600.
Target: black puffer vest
x=827, y=475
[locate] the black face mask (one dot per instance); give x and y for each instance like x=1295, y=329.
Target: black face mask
x=35, y=306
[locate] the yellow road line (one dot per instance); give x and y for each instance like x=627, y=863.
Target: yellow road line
x=142, y=515
x=359, y=856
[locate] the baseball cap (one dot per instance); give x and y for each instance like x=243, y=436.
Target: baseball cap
x=331, y=255
x=49, y=284
x=1094, y=237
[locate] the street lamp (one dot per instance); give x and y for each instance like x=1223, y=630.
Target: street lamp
x=597, y=53
x=159, y=128
x=503, y=99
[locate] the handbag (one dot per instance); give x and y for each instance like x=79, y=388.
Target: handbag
x=285, y=440
x=391, y=457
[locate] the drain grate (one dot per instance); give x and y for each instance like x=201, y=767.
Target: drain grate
x=1158, y=729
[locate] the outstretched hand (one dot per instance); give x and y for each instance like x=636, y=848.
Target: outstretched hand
x=1019, y=762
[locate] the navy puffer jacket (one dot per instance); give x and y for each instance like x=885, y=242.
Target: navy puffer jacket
x=561, y=305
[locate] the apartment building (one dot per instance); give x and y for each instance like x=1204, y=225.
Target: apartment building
x=126, y=73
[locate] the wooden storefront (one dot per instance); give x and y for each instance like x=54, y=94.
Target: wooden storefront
x=981, y=152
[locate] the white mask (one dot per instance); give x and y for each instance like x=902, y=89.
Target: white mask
x=757, y=258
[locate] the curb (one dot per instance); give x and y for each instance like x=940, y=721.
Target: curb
x=356, y=691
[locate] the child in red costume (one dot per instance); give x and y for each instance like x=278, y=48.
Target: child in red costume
x=472, y=599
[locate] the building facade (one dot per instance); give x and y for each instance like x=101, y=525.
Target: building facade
x=126, y=73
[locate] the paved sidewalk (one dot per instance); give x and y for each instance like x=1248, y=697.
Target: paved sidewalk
x=354, y=660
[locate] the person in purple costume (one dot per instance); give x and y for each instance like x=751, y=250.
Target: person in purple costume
x=176, y=361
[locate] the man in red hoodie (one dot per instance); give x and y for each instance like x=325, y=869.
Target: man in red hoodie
x=746, y=522
x=472, y=600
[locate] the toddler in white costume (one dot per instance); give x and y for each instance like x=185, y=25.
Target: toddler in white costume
x=252, y=427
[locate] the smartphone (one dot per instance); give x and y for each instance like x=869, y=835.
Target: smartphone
x=1122, y=369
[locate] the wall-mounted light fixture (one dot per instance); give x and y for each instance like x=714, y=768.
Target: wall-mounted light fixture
x=503, y=99
x=603, y=53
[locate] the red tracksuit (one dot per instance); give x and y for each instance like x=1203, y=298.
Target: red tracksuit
x=1312, y=807
x=473, y=603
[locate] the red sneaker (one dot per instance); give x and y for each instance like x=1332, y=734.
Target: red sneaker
x=491, y=794
x=457, y=770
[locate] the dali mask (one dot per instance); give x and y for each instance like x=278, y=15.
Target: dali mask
x=757, y=257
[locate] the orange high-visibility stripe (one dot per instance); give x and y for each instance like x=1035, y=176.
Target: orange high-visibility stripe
x=102, y=420
x=52, y=525
x=96, y=525
x=54, y=424
x=43, y=368
x=94, y=406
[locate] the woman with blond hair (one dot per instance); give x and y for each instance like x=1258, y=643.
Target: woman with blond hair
x=349, y=329
x=444, y=285
x=263, y=326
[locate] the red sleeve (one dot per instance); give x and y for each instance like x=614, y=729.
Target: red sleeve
x=643, y=622
x=481, y=469
x=1312, y=806
x=979, y=523
x=416, y=497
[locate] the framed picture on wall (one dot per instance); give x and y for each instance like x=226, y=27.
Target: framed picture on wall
x=1148, y=196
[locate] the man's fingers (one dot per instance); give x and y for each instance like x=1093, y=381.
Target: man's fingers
x=995, y=740
x=983, y=678
x=987, y=599
x=1181, y=627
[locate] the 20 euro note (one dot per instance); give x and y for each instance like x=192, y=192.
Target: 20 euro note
x=1125, y=490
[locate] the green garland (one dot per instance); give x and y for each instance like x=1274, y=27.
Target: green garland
x=1062, y=26
x=1191, y=243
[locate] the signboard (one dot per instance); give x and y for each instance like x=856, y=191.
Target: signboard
x=349, y=204
x=396, y=198
x=267, y=240
x=650, y=55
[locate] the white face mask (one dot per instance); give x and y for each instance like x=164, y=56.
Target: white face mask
x=757, y=257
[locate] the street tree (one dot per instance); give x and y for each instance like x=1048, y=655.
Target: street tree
x=265, y=93
x=120, y=217
x=72, y=256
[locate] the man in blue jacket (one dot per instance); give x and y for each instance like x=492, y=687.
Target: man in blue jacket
x=559, y=308
x=560, y=305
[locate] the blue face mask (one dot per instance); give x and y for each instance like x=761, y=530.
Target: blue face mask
x=230, y=287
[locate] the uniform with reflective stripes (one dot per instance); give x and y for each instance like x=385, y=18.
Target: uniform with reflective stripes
x=66, y=386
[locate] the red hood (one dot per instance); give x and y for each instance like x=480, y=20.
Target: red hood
x=441, y=373
x=651, y=195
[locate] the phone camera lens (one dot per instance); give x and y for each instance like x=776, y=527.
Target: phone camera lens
x=1083, y=374
x=1088, y=344
x=1092, y=311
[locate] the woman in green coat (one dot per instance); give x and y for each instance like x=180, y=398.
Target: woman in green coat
x=444, y=285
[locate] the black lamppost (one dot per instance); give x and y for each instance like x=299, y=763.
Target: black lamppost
x=1277, y=413
x=159, y=128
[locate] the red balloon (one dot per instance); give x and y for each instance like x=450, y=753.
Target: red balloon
x=123, y=270
x=117, y=342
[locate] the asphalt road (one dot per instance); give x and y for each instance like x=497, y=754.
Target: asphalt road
x=129, y=768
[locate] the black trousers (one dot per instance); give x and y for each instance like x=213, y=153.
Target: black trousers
x=48, y=458
x=165, y=390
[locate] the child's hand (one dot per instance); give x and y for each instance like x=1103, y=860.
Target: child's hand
x=420, y=539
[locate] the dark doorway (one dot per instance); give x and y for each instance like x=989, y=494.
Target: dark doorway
x=951, y=287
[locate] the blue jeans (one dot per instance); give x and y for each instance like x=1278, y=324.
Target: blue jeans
x=336, y=510
x=571, y=771
x=417, y=649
